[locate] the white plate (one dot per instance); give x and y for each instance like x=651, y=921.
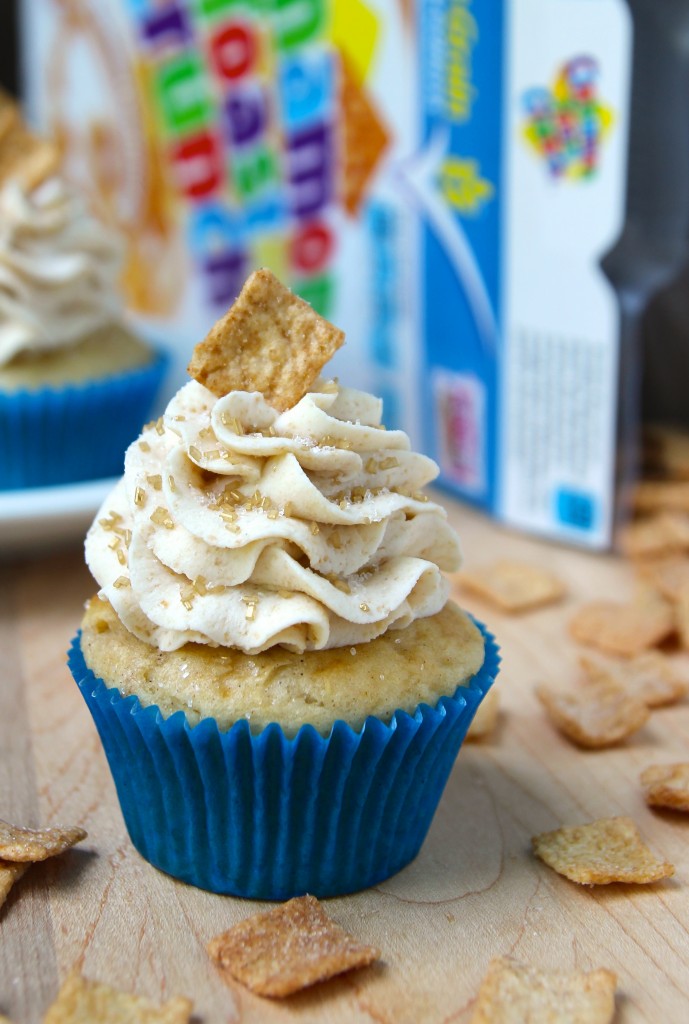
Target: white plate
x=45, y=517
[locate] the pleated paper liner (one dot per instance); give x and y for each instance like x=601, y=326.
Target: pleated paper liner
x=61, y=435
x=269, y=817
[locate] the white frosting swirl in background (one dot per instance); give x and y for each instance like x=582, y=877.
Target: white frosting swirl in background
x=239, y=526
x=59, y=270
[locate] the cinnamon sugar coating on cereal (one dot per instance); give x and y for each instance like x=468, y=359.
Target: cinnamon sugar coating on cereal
x=269, y=341
x=288, y=949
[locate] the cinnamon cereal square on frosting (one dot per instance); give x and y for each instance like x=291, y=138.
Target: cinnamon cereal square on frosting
x=269, y=341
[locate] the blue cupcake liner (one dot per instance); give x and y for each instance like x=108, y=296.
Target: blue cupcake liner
x=269, y=817
x=60, y=435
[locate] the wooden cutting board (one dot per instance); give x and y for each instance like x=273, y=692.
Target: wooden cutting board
x=474, y=892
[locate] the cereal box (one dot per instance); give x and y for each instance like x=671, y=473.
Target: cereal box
x=440, y=178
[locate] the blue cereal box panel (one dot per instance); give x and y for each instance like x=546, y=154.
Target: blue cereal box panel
x=441, y=178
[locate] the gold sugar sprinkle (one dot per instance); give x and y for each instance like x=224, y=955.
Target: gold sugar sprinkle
x=160, y=426
x=390, y=463
x=207, y=434
x=171, y=482
x=139, y=496
x=144, y=446
x=161, y=517
x=315, y=528
x=121, y=581
x=180, y=419
x=195, y=454
x=363, y=607
x=214, y=453
x=201, y=585
x=121, y=557
x=336, y=541
x=273, y=513
x=371, y=465
x=337, y=582
x=156, y=481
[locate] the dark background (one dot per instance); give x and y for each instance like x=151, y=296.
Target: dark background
x=8, y=47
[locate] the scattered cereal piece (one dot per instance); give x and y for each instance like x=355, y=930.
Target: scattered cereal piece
x=625, y=629
x=513, y=586
x=662, y=534
x=682, y=614
x=667, y=452
x=513, y=993
x=81, y=1001
x=486, y=717
x=667, y=575
x=269, y=341
x=9, y=874
x=667, y=785
x=594, y=716
x=604, y=851
x=28, y=845
x=288, y=948
x=650, y=677
x=661, y=496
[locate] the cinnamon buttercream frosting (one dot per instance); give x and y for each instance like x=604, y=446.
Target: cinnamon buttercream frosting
x=240, y=526
x=59, y=269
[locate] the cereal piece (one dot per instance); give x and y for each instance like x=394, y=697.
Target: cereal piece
x=9, y=874
x=649, y=677
x=604, y=851
x=23, y=156
x=667, y=451
x=594, y=716
x=486, y=717
x=269, y=341
x=682, y=614
x=513, y=993
x=364, y=140
x=667, y=575
x=625, y=629
x=288, y=948
x=662, y=534
x=513, y=586
x=83, y=1002
x=30, y=845
x=661, y=496
x=667, y=785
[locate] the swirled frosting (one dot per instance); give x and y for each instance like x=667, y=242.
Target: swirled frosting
x=58, y=270
x=236, y=525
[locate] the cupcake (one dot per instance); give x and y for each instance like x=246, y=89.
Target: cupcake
x=75, y=383
x=278, y=678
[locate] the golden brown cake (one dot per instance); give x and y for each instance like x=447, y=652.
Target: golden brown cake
x=399, y=669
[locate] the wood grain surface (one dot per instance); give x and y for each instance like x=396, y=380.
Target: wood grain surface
x=474, y=892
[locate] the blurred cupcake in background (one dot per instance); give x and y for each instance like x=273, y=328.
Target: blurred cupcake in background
x=75, y=383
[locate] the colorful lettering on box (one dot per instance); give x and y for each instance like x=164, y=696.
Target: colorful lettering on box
x=248, y=97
